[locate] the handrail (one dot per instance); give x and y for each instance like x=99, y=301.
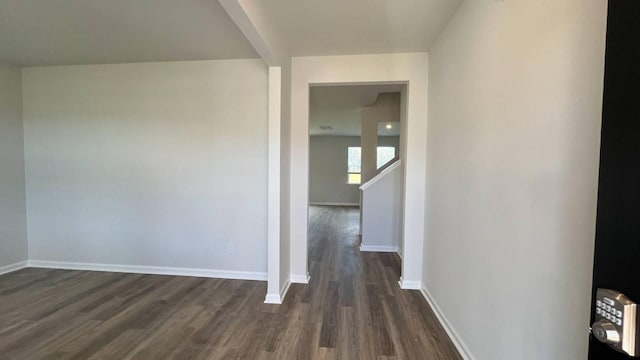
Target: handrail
x=387, y=164
x=380, y=175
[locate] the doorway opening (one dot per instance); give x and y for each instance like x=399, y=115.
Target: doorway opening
x=356, y=181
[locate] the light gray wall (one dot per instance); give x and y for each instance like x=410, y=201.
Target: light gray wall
x=328, y=170
x=382, y=211
x=513, y=140
x=13, y=223
x=150, y=164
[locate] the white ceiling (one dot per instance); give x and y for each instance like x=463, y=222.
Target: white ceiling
x=342, y=27
x=339, y=108
x=68, y=32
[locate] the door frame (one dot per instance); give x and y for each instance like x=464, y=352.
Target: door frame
x=410, y=69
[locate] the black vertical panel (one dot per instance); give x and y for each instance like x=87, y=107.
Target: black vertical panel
x=617, y=251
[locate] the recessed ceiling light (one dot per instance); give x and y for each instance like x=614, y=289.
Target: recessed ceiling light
x=389, y=126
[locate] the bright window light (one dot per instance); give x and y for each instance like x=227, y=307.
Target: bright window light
x=385, y=154
x=354, y=163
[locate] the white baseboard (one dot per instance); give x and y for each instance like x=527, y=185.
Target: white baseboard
x=409, y=285
x=278, y=298
x=333, y=204
x=451, y=331
x=378, y=248
x=153, y=270
x=400, y=254
x=13, y=267
x=285, y=289
x=299, y=279
x=273, y=299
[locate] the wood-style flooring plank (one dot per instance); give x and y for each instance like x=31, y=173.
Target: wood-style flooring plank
x=352, y=309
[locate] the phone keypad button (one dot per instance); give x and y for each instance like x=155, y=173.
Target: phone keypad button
x=619, y=313
x=618, y=322
x=608, y=308
x=598, y=311
x=598, y=303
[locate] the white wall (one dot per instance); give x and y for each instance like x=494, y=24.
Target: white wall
x=150, y=164
x=13, y=223
x=328, y=156
x=382, y=211
x=513, y=140
x=385, y=68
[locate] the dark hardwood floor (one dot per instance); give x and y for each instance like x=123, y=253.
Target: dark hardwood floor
x=352, y=309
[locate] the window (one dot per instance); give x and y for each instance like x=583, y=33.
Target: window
x=354, y=165
x=385, y=154
x=354, y=161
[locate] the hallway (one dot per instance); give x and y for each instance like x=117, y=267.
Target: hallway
x=354, y=299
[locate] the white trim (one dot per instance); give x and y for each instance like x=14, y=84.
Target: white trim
x=382, y=173
x=285, y=289
x=273, y=299
x=300, y=279
x=333, y=204
x=278, y=298
x=409, y=285
x=155, y=270
x=408, y=68
x=378, y=248
x=399, y=252
x=273, y=197
x=451, y=331
x=13, y=267
x=240, y=17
